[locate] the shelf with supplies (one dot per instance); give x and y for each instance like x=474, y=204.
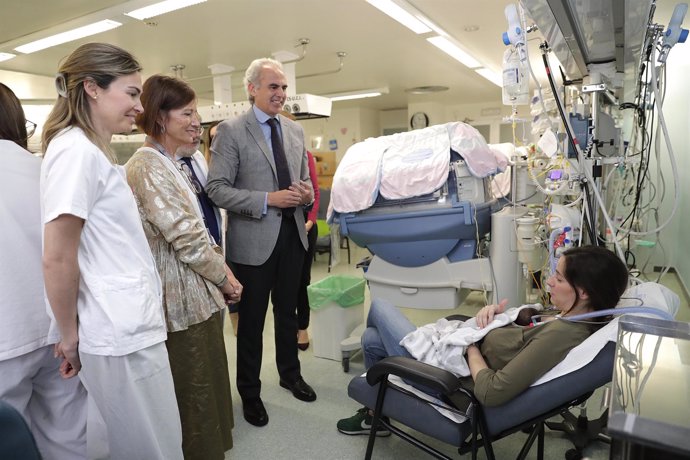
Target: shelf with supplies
x=325, y=163
x=325, y=168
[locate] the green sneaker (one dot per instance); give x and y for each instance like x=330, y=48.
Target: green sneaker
x=360, y=423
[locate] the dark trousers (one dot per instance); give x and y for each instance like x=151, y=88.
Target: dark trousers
x=302, y=297
x=279, y=278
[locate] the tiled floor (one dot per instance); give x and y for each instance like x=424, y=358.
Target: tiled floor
x=299, y=430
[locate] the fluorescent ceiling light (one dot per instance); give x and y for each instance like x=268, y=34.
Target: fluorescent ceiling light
x=453, y=50
x=374, y=92
x=70, y=35
x=6, y=56
x=490, y=75
x=406, y=16
x=347, y=97
x=161, y=8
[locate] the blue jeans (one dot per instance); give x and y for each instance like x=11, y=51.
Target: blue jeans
x=386, y=327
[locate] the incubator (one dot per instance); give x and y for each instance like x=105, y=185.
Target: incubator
x=430, y=247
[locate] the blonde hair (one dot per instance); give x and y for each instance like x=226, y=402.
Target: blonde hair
x=100, y=62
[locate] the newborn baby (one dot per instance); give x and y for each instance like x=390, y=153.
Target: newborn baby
x=524, y=317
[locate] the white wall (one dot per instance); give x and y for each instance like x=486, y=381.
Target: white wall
x=677, y=114
x=394, y=119
x=37, y=94
x=345, y=126
x=29, y=87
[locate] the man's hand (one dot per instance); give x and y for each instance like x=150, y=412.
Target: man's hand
x=305, y=191
x=486, y=314
x=288, y=198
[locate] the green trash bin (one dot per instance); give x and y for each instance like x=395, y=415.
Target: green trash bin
x=337, y=304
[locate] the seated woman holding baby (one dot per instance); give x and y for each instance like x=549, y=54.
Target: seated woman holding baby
x=508, y=359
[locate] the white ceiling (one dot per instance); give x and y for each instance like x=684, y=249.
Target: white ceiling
x=380, y=52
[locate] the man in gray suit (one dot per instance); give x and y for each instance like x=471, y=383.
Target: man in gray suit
x=259, y=173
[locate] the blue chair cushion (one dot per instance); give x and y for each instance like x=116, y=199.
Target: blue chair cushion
x=16, y=440
x=531, y=404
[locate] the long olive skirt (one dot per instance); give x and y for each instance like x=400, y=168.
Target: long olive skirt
x=202, y=386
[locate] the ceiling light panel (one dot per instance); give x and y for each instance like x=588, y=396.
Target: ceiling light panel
x=452, y=49
x=349, y=95
x=68, y=36
x=6, y=56
x=161, y=8
x=490, y=75
x=403, y=13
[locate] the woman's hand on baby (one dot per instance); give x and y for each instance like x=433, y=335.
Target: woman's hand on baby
x=486, y=314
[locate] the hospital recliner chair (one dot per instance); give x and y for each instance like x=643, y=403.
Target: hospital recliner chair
x=528, y=411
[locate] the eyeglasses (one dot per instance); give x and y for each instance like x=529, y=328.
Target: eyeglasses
x=193, y=181
x=30, y=128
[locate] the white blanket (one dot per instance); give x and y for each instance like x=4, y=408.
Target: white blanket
x=443, y=343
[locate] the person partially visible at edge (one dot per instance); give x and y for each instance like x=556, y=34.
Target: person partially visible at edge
x=100, y=277
x=54, y=408
x=303, y=308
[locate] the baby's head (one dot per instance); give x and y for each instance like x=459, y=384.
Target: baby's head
x=524, y=317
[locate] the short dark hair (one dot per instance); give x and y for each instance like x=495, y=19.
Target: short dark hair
x=13, y=123
x=598, y=272
x=159, y=95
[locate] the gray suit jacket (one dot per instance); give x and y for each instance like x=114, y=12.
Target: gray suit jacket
x=242, y=171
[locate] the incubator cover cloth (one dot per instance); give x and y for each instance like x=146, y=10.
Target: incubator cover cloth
x=202, y=387
x=119, y=291
x=406, y=165
x=443, y=343
x=188, y=265
x=482, y=161
x=25, y=324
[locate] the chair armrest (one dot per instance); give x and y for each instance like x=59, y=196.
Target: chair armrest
x=415, y=371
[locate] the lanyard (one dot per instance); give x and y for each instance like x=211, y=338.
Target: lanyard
x=187, y=178
x=170, y=157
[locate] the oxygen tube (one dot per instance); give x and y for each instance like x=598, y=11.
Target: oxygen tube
x=610, y=312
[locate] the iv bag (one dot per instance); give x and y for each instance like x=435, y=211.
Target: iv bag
x=515, y=78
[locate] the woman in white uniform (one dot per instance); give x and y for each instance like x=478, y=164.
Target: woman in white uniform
x=100, y=276
x=53, y=407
